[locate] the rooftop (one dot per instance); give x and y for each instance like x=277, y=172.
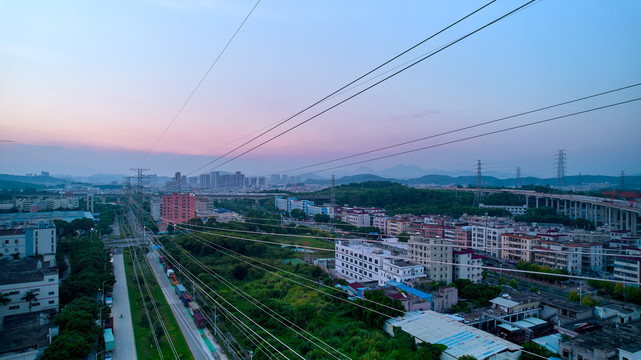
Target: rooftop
x=410, y=290
x=626, y=337
x=459, y=338
x=22, y=332
x=25, y=270
x=44, y=216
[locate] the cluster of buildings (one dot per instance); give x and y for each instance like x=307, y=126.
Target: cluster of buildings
x=182, y=207
x=35, y=203
x=30, y=281
x=216, y=181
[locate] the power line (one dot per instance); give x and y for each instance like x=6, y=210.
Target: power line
x=201, y=81
x=359, y=78
x=262, y=307
x=464, y=128
x=480, y=135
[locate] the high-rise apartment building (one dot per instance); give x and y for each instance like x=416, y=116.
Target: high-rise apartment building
x=178, y=208
x=433, y=253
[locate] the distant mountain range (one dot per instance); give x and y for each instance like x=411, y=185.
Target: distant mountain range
x=631, y=182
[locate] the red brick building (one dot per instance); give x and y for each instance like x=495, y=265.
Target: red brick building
x=178, y=208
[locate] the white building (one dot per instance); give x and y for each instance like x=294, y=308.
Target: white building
x=29, y=241
x=488, y=238
x=17, y=277
x=356, y=218
x=402, y=271
x=513, y=209
x=433, y=253
x=363, y=261
x=467, y=265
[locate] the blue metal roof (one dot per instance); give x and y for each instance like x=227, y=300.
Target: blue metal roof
x=409, y=289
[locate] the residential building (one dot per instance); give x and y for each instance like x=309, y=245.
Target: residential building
x=618, y=314
x=396, y=226
x=433, y=253
x=566, y=257
x=360, y=260
x=515, y=210
x=411, y=298
x=19, y=276
x=467, y=265
x=29, y=240
x=488, y=238
x=380, y=222
x=461, y=236
x=518, y=247
x=178, y=208
x=622, y=342
x=155, y=206
x=627, y=269
x=402, y=271
x=356, y=217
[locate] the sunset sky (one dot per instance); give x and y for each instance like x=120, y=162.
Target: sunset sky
x=89, y=86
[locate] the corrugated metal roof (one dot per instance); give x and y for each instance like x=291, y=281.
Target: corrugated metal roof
x=409, y=289
x=460, y=339
x=504, y=302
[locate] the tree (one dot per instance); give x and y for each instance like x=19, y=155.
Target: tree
x=514, y=284
x=574, y=296
x=467, y=357
x=502, y=281
x=240, y=271
x=589, y=300
x=297, y=214
x=321, y=218
x=30, y=297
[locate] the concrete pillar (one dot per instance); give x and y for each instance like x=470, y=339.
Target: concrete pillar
x=558, y=205
x=609, y=216
x=628, y=221
x=547, y=203
x=634, y=223
x=595, y=210
x=537, y=201
x=620, y=219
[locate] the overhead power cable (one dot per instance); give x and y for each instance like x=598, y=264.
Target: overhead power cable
x=201, y=80
x=461, y=128
x=436, y=262
x=347, y=85
x=480, y=135
x=372, y=86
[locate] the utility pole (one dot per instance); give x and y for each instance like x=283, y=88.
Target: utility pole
x=560, y=169
x=478, y=195
x=622, y=180
x=141, y=198
x=332, y=198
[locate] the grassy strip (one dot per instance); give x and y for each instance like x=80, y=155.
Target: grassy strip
x=145, y=347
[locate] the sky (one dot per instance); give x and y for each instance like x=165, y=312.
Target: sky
x=92, y=87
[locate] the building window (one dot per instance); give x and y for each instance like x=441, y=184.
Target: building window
x=52, y=301
x=15, y=307
x=51, y=292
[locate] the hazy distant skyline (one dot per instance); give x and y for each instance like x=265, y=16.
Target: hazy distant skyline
x=88, y=87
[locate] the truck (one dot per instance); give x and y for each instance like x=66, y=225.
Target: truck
x=199, y=320
x=108, y=301
x=185, y=298
x=173, y=280
x=109, y=323
x=194, y=308
x=109, y=340
x=170, y=272
x=180, y=289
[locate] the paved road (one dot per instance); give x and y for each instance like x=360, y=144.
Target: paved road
x=125, y=348
x=187, y=326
